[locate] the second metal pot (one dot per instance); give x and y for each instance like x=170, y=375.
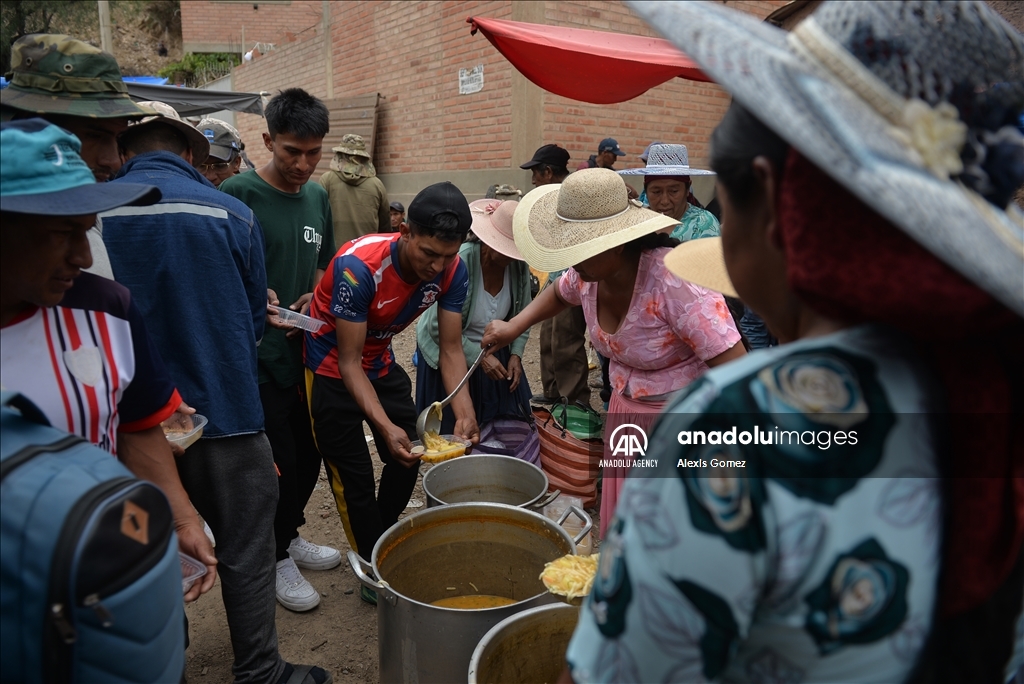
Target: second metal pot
x=456, y=550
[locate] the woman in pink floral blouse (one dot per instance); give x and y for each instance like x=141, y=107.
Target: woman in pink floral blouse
x=659, y=332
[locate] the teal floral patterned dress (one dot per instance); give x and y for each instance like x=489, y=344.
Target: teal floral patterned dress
x=790, y=532
x=696, y=222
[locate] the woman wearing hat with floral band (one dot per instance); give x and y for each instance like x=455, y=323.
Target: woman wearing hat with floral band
x=865, y=170
x=667, y=191
x=499, y=287
x=659, y=332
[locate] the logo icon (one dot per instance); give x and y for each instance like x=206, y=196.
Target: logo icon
x=628, y=440
x=310, y=235
x=381, y=305
x=430, y=293
x=135, y=522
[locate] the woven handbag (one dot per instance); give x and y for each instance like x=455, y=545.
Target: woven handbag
x=571, y=464
x=517, y=436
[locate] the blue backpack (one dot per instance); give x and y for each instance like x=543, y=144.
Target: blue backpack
x=90, y=579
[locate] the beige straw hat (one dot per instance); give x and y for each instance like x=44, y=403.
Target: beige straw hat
x=701, y=263
x=166, y=114
x=558, y=226
x=492, y=223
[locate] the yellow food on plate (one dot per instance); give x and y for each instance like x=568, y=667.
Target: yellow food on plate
x=570, y=576
x=438, y=449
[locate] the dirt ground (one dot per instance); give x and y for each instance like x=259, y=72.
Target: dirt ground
x=339, y=635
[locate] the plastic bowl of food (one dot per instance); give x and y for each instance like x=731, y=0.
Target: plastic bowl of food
x=437, y=448
x=295, y=319
x=191, y=570
x=184, y=430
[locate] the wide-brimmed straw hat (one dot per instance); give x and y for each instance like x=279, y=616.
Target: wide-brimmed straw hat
x=167, y=115
x=908, y=105
x=558, y=226
x=492, y=223
x=701, y=262
x=667, y=160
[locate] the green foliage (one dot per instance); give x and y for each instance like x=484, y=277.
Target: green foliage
x=22, y=17
x=196, y=68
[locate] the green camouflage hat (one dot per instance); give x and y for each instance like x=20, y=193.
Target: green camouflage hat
x=55, y=74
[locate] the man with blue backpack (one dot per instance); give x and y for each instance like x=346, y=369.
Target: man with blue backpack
x=74, y=344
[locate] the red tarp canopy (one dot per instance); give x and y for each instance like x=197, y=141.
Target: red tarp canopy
x=590, y=66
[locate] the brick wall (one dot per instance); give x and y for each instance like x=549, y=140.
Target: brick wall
x=678, y=111
x=298, y=65
x=411, y=52
x=219, y=25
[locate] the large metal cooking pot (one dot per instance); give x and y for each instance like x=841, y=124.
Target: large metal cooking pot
x=525, y=648
x=488, y=478
x=457, y=550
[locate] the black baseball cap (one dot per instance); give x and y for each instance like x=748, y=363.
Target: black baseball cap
x=552, y=155
x=440, y=198
x=398, y=206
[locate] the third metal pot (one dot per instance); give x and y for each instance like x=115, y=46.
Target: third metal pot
x=489, y=478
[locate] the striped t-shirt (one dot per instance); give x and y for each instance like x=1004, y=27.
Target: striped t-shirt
x=87, y=363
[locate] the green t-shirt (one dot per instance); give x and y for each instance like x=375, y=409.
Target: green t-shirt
x=298, y=236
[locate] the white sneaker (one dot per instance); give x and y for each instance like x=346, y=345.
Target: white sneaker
x=313, y=557
x=293, y=591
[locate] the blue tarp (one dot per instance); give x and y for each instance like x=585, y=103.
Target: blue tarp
x=149, y=80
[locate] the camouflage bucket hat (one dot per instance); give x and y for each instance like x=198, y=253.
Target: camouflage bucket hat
x=56, y=74
x=353, y=145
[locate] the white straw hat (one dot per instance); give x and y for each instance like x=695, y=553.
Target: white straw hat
x=492, y=223
x=558, y=226
x=908, y=105
x=667, y=160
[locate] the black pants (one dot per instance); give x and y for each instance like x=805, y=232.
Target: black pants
x=338, y=426
x=291, y=437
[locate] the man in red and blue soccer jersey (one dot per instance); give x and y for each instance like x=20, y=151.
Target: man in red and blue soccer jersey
x=373, y=289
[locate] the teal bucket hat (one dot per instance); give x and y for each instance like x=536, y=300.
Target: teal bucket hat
x=41, y=173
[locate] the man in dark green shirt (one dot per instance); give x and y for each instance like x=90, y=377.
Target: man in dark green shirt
x=298, y=230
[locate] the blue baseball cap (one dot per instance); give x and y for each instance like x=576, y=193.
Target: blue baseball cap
x=610, y=145
x=42, y=173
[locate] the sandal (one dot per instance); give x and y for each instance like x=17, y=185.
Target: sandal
x=304, y=674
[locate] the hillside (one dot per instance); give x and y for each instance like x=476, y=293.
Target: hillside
x=146, y=34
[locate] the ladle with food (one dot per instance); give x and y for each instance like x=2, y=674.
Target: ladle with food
x=428, y=423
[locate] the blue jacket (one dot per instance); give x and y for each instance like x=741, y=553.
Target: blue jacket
x=194, y=265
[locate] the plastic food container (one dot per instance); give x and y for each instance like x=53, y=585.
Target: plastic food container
x=184, y=430
x=296, y=320
x=191, y=570
x=458, y=449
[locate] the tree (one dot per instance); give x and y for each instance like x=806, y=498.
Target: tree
x=22, y=17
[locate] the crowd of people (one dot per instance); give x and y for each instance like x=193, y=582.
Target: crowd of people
x=861, y=271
